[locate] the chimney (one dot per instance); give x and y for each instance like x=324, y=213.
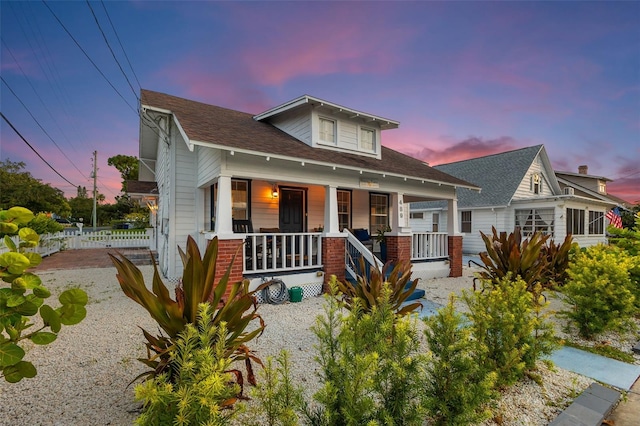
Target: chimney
x=583, y=169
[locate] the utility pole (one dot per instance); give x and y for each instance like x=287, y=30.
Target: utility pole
x=94, y=215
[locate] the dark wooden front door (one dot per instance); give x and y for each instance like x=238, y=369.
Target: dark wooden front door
x=292, y=210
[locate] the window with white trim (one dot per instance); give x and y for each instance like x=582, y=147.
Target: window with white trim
x=596, y=223
x=535, y=220
x=416, y=215
x=367, y=139
x=379, y=208
x=240, y=199
x=575, y=221
x=344, y=209
x=536, y=183
x=435, y=224
x=327, y=130
x=465, y=221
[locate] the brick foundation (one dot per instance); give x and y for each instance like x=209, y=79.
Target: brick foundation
x=455, y=256
x=226, y=250
x=333, y=259
x=399, y=248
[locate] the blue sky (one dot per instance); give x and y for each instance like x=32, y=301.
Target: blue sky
x=464, y=79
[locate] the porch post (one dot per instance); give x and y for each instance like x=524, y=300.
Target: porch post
x=454, y=239
x=399, y=240
x=223, y=207
x=331, y=223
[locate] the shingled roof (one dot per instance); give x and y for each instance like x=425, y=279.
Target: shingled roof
x=499, y=176
x=225, y=128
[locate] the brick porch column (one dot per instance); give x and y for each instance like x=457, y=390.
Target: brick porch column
x=399, y=248
x=333, y=259
x=226, y=250
x=455, y=256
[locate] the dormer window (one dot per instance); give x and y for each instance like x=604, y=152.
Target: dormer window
x=602, y=187
x=536, y=182
x=367, y=139
x=327, y=130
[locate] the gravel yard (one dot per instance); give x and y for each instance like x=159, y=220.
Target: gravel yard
x=83, y=376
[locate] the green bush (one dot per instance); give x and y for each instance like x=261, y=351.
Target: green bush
x=371, y=367
x=43, y=224
x=457, y=387
x=507, y=320
x=201, y=391
x=278, y=398
x=600, y=291
x=25, y=298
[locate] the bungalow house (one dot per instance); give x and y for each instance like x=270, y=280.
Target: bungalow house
x=520, y=189
x=288, y=185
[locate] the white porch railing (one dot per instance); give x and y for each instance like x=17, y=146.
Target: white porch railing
x=354, y=250
x=429, y=245
x=269, y=252
x=53, y=243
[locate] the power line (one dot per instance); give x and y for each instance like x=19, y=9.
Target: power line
x=111, y=50
x=39, y=125
x=120, y=43
x=89, y=58
x=34, y=150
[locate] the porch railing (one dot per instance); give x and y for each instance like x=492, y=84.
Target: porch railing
x=278, y=252
x=429, y=245
x=354, y=251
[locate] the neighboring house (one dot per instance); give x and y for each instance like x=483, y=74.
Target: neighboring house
x=520, y=189
x=288, y=183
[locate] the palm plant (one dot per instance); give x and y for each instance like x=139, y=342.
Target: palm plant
x=234, y=305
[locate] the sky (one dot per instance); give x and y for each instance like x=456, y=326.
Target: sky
x=464, y=79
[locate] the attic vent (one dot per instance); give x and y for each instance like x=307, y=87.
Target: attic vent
x=568, y=191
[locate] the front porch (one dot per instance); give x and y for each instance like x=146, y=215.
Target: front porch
x=299, y=232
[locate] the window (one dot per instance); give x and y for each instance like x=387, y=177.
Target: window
x=536, y=183
x=535, y=220
x=213, y=198
x=436, y=222
x=327, y=130
x=379, y=207
x=416, y=215
x=575, y=221
x=596, y=223
x=367, y=139
x=465, y=223
x=602, y=187
x=239, y=199
x=344, y=209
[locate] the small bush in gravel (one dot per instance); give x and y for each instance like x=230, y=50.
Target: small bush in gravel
x=371, y=367
x=457, y=387
x=25, y=298
x=234, y=305
x=599, y=291
x=508, y=321
x=201, y=390
x=278, y=399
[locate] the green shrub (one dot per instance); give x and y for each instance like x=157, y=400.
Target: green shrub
x=599, y=291
x=278, y=398
x=628, y=239
x=507, y=320
x=43, y=224
x=234, y=305
x=201, y=390
x=25, y=298
x=371, y=367
x=534, y=260
x=457, y=387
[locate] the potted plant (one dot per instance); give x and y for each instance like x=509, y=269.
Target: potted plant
x=381, y=238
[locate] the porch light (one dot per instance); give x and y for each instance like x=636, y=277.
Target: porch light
x=274, y=191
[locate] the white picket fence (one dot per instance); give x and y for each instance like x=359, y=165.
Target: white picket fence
x=53, y=243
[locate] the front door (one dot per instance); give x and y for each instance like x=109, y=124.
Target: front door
x=292, y=210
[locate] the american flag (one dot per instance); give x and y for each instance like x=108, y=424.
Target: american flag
x=614, y=217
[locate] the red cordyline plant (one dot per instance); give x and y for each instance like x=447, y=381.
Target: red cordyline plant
x=238, y=309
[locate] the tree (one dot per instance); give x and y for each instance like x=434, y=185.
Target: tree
x=127, y=165
x=19, y=188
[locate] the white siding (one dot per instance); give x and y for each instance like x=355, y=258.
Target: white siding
x=347, y=136
x=525, y=190
x=209, y=165
x=296, y=123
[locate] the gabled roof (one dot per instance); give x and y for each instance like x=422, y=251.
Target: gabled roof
x=590, y=192
x=223, y=128
x=499, y=176
x=385, y=123
x=581, y=175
